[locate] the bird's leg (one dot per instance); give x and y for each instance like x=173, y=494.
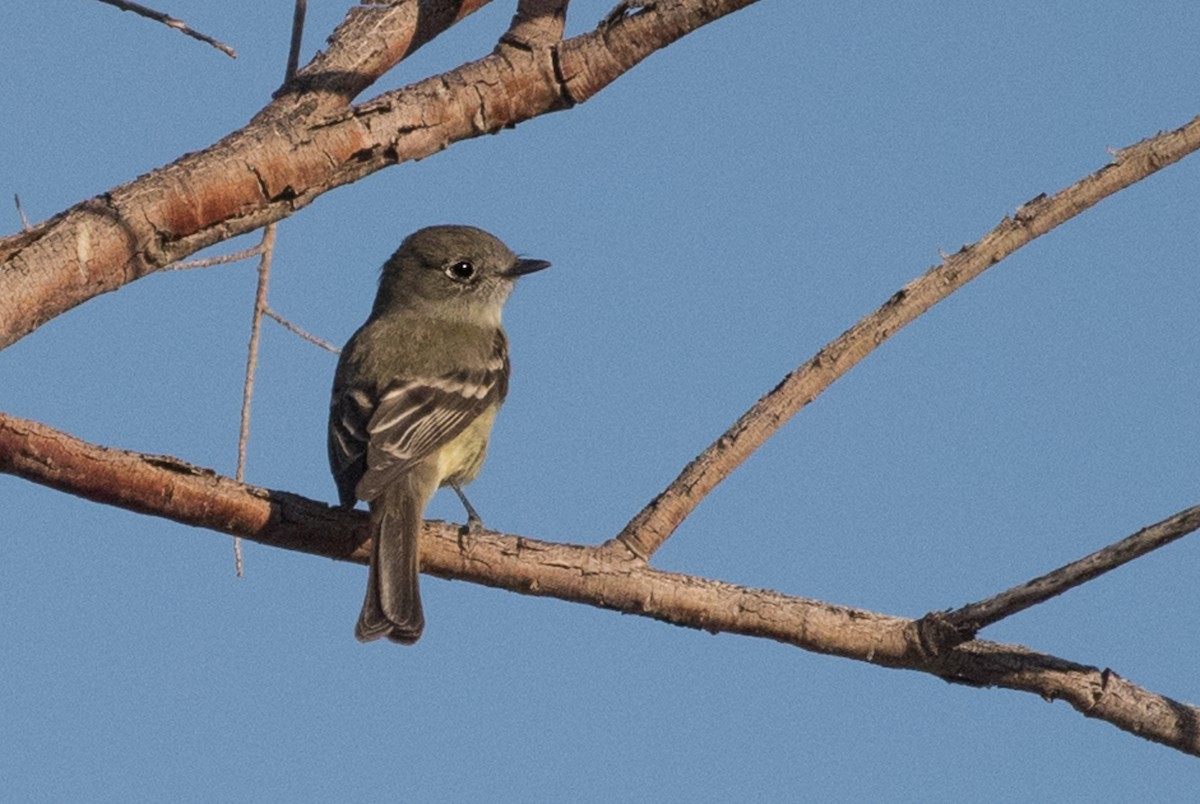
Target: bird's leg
x=474, y=523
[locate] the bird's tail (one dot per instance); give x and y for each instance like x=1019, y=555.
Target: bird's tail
x=392, y=607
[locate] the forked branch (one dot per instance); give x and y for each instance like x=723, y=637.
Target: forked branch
x=655, y=523
x=170, y=488
x=308, y=142
x=967, y=620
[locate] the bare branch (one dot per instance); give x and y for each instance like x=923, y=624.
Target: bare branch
x=266, y=248
x=589, y=63
x=223, y=259
x=280, y=164
x=164, y=486
x=537, y=23
x=267, y=251
x=171, y=22
x=21, y=212
x=371, y=40
x=655, y=523
x=621, y=10
x=970, y=618
x=194, y=496
x=313, y=339
x=293, y=61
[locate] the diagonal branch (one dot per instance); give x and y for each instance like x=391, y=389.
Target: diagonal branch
x=970, y=618
x=655, y=523
x=281, y=162
x=21, y=212
x=371, y=40
x=167, y=487
x=295, y=330
x=171, y=22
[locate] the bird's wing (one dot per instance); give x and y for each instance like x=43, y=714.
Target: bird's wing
x=414, y=417
x=349, y=411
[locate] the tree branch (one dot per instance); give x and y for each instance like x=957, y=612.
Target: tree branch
x=308, y=336
x=308, y=141
x=266, y=255
x=21, y=212
x=280, y=163
x=970, y=618
x=655, y=523
x=371, y=40
x=299, y=10
x=171, y=22
x=164, y=486
x=223, y=259
x=168, y=487
x=537, y=23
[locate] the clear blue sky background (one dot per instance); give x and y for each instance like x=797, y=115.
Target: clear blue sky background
x=714, y=217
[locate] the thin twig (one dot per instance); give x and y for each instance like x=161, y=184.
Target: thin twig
x=260, y=302
x=266, y=249
x=970, y=618
x=21, y=212
x=297, y=36
x=211, y=261
x=326, y=345
x=171, y=22
x=655, y=523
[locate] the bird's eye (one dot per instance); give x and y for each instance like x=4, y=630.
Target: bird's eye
x=460, y=271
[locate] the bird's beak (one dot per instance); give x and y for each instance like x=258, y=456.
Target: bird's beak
x=522, y=267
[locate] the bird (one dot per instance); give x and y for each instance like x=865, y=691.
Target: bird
x=415, y=393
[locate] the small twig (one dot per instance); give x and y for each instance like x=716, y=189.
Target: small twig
x=326, y=345
x=211, y=261
x=21, y=212
x=171, y=22
x=267, y=248
x=970, y=618
x=297, y=35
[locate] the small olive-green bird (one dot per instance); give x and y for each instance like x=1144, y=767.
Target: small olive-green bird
x=414, y=397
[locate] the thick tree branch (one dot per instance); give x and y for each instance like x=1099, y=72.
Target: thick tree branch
x=654, y=524
x=371, y=40
x=167, y=487
x=282, y=162
x=537, y=23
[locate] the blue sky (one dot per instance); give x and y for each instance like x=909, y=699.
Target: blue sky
x=714, y=218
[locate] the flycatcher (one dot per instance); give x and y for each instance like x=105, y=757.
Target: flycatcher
x=414, y=397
